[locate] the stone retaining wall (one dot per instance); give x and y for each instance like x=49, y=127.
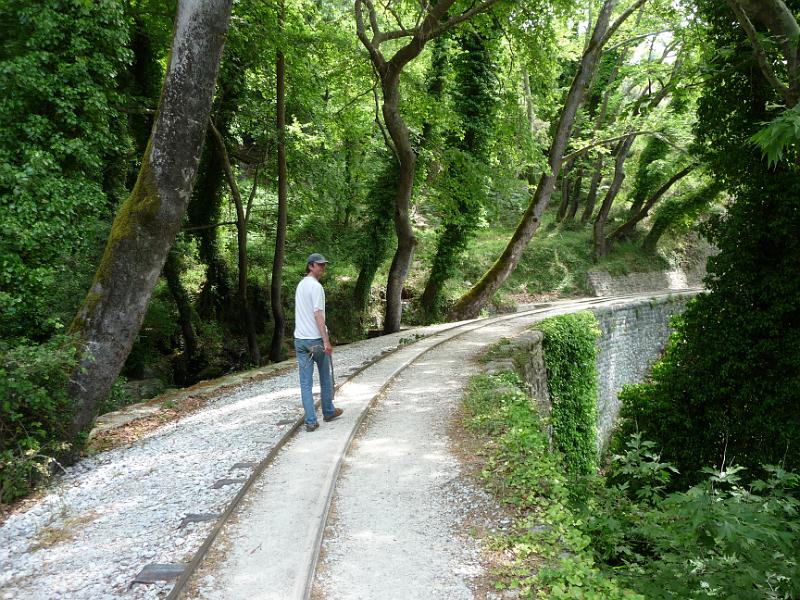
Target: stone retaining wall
x=633, y=336
x=602, y=283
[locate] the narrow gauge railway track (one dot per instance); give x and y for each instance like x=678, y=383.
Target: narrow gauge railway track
x=297, y=478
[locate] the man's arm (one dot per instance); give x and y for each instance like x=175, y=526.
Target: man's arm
x=319, y=317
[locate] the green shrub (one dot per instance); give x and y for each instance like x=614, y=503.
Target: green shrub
x=718, y=539
x=34, y=411
x=552, y=556
x=569, y=354
x=624, y=535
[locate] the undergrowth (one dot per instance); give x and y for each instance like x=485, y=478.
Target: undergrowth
x=621, y=535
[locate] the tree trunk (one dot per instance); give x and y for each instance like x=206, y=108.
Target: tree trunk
x=591, y=197
x=148, y=221
x=628, y=226
x=566, y=186
x=172, y=273
x=693, y=204
x=241, y=241
x=600, y=248
x=276, y=295
x=389, y=71
x=471, y=303
x=575, y=196
x=376, y=233
x=406, y=241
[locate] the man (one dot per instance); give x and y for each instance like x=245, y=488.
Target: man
x=312, y=344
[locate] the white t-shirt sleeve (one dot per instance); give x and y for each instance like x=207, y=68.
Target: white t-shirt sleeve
x=318, y=295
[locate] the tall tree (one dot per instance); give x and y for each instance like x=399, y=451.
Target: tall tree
x=242, y=219
x=462, y=187
x=431, y=24
x=148, y=221
x=276, y=295
x=470, y=304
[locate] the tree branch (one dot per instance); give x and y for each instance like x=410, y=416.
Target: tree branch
x=629, y=225
x=252, y=194
x=596, y=143
x=635, y=38
x=387, y=140
x=212, y=226
x=482, y=7
x=226, y=164
x=758, y=50
x=392, y=12
x=370, y=44
x=620, y=20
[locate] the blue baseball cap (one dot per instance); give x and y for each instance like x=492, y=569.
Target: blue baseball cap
x=316, y=258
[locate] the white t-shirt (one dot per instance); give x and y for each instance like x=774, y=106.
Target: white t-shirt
x=309, y=297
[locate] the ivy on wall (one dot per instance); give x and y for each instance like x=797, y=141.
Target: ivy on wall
x=570, y=351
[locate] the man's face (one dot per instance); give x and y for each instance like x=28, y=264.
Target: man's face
x=317, y=269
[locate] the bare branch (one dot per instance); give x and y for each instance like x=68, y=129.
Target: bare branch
x=617, y=138
x=226, y=164
x=387, y=140
x=354, y=99
x=137, y=110
x=370, y=44
x=373, y=22
x=211, y=226
x=393, y=12
x=252, y=193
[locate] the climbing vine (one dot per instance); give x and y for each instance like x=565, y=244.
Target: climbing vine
x=569, y=355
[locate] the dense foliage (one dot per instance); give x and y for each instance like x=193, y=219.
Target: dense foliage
x=622, y=535
x=34, y=411
x=727, y=387
x=63, y=142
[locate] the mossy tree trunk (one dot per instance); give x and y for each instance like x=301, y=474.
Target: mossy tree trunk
x=376, y=233
x=675, y=210
x=172, y=273
x=575, y=199
x=475, y=102
x=591, y=196
x=566, y=187
x=471, y=303
x=148, y=221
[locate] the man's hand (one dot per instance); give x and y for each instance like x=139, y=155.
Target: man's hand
x=328, y=348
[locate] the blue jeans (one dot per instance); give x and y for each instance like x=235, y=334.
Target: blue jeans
x=308, y=353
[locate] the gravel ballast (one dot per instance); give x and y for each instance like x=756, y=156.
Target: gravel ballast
x=112, y=514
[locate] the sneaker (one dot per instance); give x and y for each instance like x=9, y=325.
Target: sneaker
x=336, y=413
x=313, y=427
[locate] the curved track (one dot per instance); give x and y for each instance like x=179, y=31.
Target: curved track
x=269, y=537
